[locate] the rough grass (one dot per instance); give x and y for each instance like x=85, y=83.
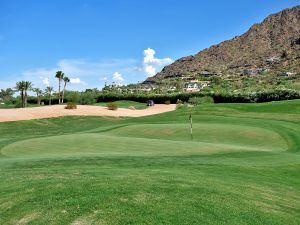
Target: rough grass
x=242, y=167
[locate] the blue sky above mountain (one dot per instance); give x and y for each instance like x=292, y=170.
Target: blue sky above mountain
x=97, y=41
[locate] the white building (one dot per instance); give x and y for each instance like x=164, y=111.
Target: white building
x=196, y=86
x=172, y=89
x=288, y=74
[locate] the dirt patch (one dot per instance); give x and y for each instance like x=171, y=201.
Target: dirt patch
x=82, y=110
x=88, y=220
x=26, y=219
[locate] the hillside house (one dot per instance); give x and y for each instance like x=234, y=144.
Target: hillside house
x=144, y=89
x=172, y=89
x=140, y=88
x=192, y=87
x=195, y=85
x=288, y=74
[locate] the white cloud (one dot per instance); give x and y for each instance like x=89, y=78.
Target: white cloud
x=150, y=70
x=117, y=78
x=76, y=81
x=103, y=78
x=152, y=64
x=45, y=81
x=149, y=58
x=43, y=74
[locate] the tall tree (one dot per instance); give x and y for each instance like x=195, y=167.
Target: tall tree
x=27, y=87
x=66, y=80
x=49, y=91
x=20, y=86
x=38, y=93
x=179, y=85
x=60, y=76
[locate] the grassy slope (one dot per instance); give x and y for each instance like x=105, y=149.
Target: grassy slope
x=241, y=168
x=127, y=104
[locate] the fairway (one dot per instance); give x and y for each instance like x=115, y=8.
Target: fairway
x=241, y=167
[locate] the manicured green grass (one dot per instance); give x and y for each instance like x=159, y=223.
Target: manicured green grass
x=126, y=104
x=242, y=167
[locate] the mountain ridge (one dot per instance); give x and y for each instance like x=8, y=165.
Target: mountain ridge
x=272, y=45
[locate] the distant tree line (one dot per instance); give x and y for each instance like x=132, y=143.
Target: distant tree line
x=23, y=87
x=90, y=97
x=218, y=96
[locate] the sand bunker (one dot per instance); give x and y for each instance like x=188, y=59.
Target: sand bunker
x=82, y=110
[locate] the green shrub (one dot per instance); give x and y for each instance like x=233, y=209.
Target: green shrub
x=88, y=98
x=168, y=102
x=112, y=106
x=18, y=103
x=73, y=97
x=179, y=102
x=71, y=105
x=201, y=100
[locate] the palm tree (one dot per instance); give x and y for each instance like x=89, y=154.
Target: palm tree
x=49, y=91
x=27, y=86
x=60, y=76
x=66, y=80
x=38, y=93
x=20, y=86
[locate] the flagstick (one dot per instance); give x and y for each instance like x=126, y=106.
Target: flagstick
x=191, y=120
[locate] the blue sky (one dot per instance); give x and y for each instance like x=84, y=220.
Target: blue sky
x=98, y=41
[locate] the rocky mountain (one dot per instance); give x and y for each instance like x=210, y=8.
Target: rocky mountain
x=273, y=46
